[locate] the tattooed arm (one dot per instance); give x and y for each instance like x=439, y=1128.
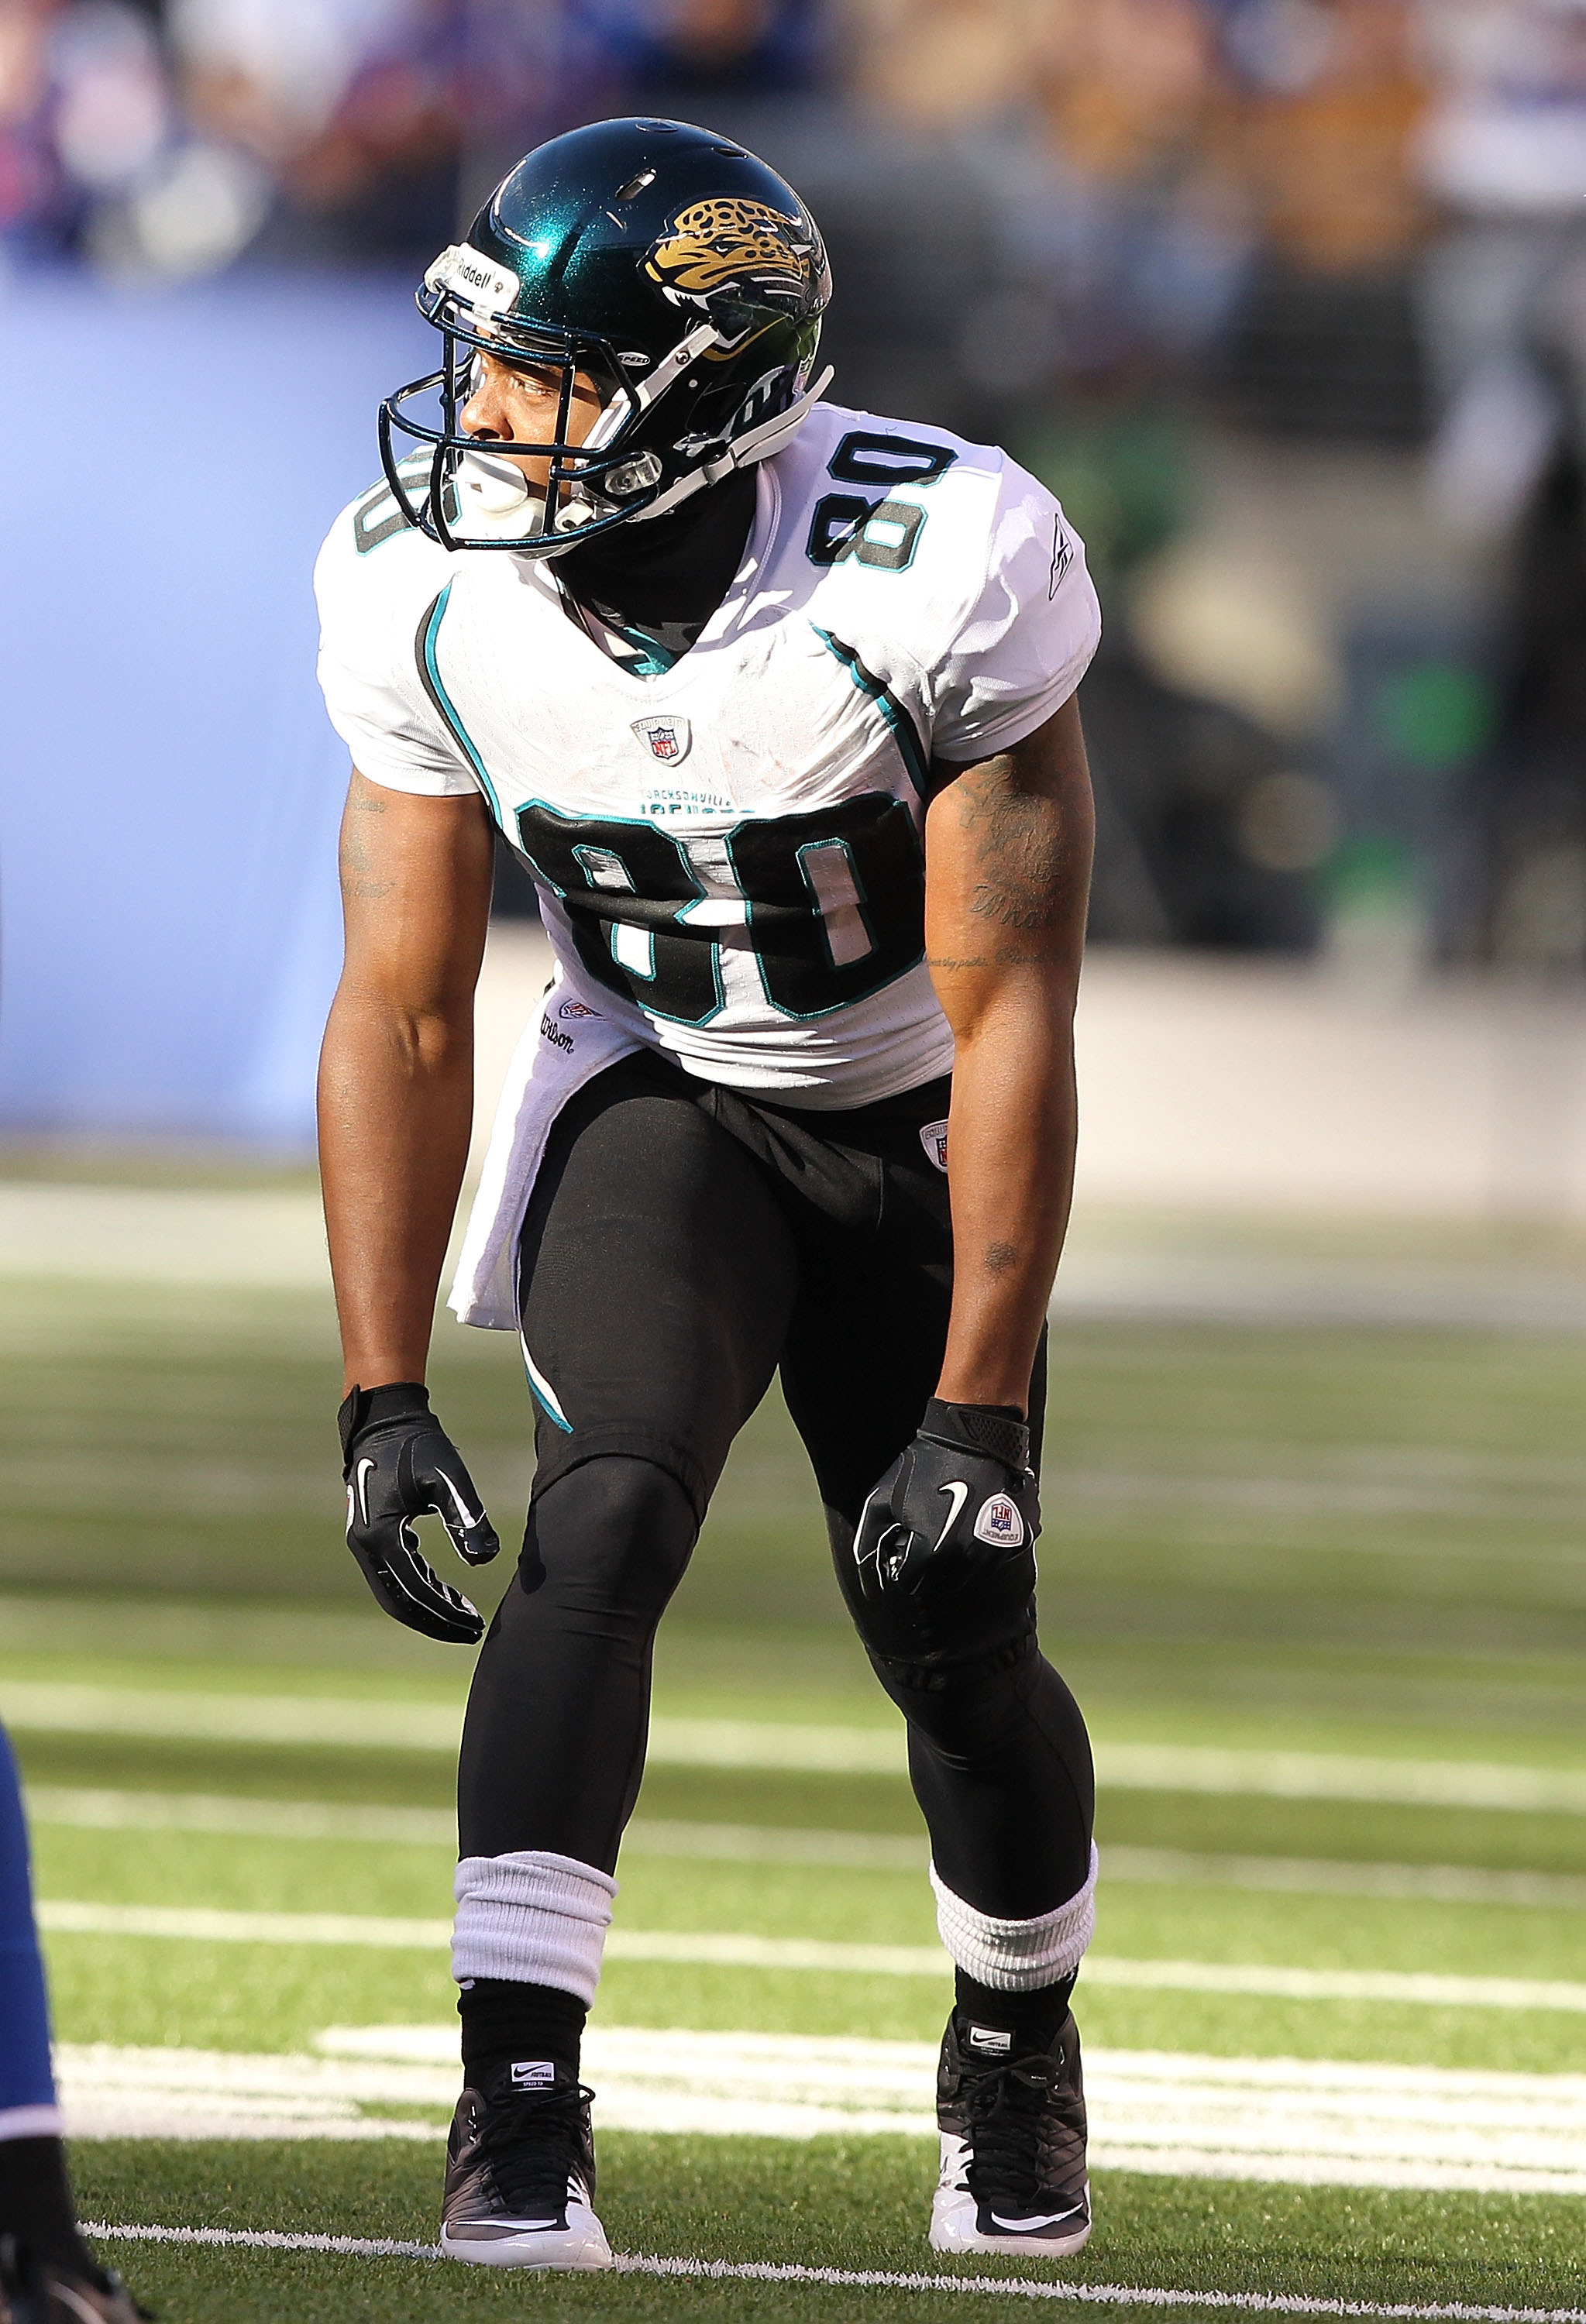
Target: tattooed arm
x=396, y=1073
x=1007, y=864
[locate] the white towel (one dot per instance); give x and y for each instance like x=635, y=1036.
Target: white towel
x=565, y=1046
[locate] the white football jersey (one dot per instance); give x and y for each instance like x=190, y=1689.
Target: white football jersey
x=730, y=856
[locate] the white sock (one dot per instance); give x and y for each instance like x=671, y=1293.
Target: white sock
x=1017, y=1956
x=535, y=1918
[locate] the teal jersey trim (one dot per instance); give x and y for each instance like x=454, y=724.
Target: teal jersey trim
x=541, y=1389
x=650, y=658
x=648, y=654
x=904, y=734
x=430, y=678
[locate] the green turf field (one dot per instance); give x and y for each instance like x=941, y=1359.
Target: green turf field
x=1363, y=1546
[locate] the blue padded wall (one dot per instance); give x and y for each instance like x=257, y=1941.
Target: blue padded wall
x=170, y=788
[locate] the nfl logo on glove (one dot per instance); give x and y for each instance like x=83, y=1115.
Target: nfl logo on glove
x=1000, y=1523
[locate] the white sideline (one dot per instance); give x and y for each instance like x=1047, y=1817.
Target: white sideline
x=723, y=1950
x=1099, y=2295
x=343, y=1723
x=743, y=1843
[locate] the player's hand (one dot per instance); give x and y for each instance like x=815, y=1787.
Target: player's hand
x=398, y=1461
x=945, y=1552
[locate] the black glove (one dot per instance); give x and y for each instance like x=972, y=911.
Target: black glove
x=398, y=1461
x=944, y=1558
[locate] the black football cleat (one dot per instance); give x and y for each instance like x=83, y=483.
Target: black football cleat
x=520, y=2177
x=34, y=2290
x=1013, y=2145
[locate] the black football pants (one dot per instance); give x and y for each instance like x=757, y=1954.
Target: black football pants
x=682, y=1242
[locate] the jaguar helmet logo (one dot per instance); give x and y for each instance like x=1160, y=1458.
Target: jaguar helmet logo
x=727, y=244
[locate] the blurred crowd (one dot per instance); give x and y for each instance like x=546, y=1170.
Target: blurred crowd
x=1141, y=154
x=1065, y=224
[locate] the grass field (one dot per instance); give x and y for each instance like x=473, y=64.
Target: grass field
x=1344, y=1556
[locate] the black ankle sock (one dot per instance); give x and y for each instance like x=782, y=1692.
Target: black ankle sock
x=35, y=2202
x=1030, y=2019
x=508, y=2024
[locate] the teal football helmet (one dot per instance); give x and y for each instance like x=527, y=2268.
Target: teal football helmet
x=662, y=262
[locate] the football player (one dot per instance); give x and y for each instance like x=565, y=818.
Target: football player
x=775, y=703
x=48, y=2275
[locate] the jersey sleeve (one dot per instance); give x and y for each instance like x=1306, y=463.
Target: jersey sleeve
x=1027, y=637
x=369, y=614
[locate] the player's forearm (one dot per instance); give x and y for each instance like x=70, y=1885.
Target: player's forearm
x=395, y=1110
x=1008, y=857
x=1010, y=1149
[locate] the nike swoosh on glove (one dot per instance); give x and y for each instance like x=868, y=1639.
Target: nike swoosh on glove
x=398, y=1461
x=944, y=1563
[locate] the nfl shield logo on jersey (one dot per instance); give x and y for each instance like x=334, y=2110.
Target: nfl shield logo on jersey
x=668, y=738
x=1000, y=1523
x=934, y=1139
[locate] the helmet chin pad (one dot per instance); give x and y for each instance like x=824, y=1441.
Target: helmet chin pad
x=496, y=502
x=491, y=486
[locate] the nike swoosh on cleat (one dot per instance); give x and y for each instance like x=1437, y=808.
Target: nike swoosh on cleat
x=468, y=1517
x=1029, y=2227
x=961, y=1495
x=363, y=1468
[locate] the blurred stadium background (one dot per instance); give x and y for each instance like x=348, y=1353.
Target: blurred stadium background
x=1286, y=299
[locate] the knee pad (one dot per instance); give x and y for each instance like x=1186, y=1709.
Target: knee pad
x=617, y=1532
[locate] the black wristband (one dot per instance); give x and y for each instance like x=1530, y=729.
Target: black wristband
x=996, y=1430
x=362, y=1407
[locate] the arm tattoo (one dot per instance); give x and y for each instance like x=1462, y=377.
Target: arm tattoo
x=1003, y=957
x=358, y=875
x=1019, y=846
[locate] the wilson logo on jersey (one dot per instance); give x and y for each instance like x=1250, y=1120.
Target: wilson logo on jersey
x=669, y=738
x=724, y=243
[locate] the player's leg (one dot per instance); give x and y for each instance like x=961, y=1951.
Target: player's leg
x=43, y=2260
x=656, y=1282
x=998, y=1750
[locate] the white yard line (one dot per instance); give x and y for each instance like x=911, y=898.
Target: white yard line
x=724, y=1950
x=1391, y=1985
x=201, y=1236
x=339, y=1722
x=237, y=1818
x=1266, y=2119
x=351, y=1723
x=297, y=1820
x=1099, y=2295
x=1441, y=1883
x=736, y=1843
x=196, y=1925
x=1332, y=1776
